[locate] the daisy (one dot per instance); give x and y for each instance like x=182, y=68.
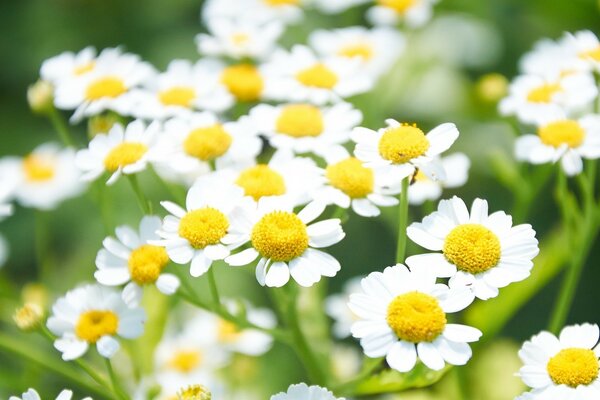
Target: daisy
x=285, y=242
x=31, y=394
x=287, y=11
x=182, y=88
x=532, y=96
x=93, y=314
x=413, y=13
x=561, y=138
x=201, y=233
x=124, y=150
x=7, y=187
x=336, y=306
x=304, y=128
x=562, y=368
x=44, y=178
x=106, y=87
x=299, y=76
x=456, y=169
x=70, y=65
x=403, y=314
x=399, y=149
x=551, y=58
x=350, y=183
x=480, y=251
x=584, y=47
x=377, y=48
x=302, y=391
x=130, y=258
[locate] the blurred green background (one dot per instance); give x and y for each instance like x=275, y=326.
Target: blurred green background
x=434, y=82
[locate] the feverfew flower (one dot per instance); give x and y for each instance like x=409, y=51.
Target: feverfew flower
x=456, y=169
x=70, y=65
x=7, y=187
x=130, y=258
x=413, y=13
x=561, y=138
x=287, y=11
x=403, y=313
x=480, y=251
x=400, y=149
x=31, y=394
x=302, y=391
x=93, y=315
x=336, y=306
x=305, y=128
x=122, y=151
x=562, y=368
x=584, y=47
x=286, y=243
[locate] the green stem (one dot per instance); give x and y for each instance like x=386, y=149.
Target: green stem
x=402, y=221
x=214, y=289
x=143, y=202
x=370, y=366
x=61, y=127
x=114, y=380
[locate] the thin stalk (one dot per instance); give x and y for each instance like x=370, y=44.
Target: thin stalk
x=61, y=127
x=214, y=289
x=402, y=221
x=143, y=202
x=114, y=380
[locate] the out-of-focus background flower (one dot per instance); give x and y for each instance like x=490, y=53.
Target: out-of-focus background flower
x=439, y=78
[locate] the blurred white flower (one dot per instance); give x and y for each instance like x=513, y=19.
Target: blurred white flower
x=336, y=306
x=69, y=65
x=302, y=391
x=413, y=13
x=32, y=394
x=287, y=11
x=456, y=168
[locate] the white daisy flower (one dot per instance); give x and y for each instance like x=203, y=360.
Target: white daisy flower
x=122, y=151
x=584, y=47
x=299, y=76
x=532, y=96
x=566, y=367
x=413, y=13
x=561, y=138
x=182, y=88
x=377, y=48
x=130, y=258
x=45, y=177
x=305, y=128
x=551, y=58
x=8, y=184
x=106, y=87
x=335, y=6
x=201, y=139
x=399, y=149
x=285, y=242
x=350, y=183
x=403, y=314
x=287, y=11
x=32, y=394
x=202, y=232
x=456, y=169
x=480, y=251
x=301, y=391
x=239, y=38
x=93, y=314
x=69, y=65
x=336, y=306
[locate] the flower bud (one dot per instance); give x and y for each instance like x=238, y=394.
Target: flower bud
x=491, y=87
x=29, y=317
x=101, y=124
x=194, y=392
x=40, y=97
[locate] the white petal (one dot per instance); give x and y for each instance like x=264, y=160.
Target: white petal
x=200, y=264
x=434, y=262
x=303, y=272
x=173, y=208
x=128, y=236
x=402, y=356
x=456, y=299
x=571, y=163
x=277, y=275
x=430, y=356
x=583, y=336
x=107, y=346
x=242, y=258
x=216, y=252
x=461, y=333
x=70, y=347
x=420, y=236
x=181, y=254
x=365, y=208
x=454, y=353
x=167, y=284
x=311, y=211
x=132, y=294
x=112, y=276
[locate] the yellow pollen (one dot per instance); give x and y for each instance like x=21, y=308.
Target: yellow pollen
x=244, y=81
x=108, y=86
x=573, y=367
x=558, y=133
x=280, y=236
x=124, y=154
x=416, y=317
x=38, y=168
x=83, y=68
x=177, y=96
x=402, y=143
x=277, y=3
x=239, y=38
x=94, y=324
x=203, y=227
x=194, y=392
x=185, y=360
x=472, y=248
x=318, y=76
x=228, y=332
x=362, y=50
x=261, y=180
x=300, y=120
x=400, y=6
x=146, y=263
x=351, y=177
x=207, y=143
x=593, y=54
x=543, y=93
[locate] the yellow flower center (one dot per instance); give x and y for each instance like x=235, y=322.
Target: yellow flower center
x=472, y=248
x=557, y=133
x=194, y=392
x=207, y=143
x=185, y=360
x=280, y=236
x=416, y=317
x=261, y=180
x=203, y=227
x=543, y=93
x=276, y=3
x=244, y=81
x=108, y=86
x=37, y=168
x=318, y=76
x=351, y=177
x=573, y=367
x=362, y=50
x=400, y=6
x=177, y=96
x=94, y=324
x=593, y=54
x=300, y=120
x=146, y=263
x=228, y=332
x=403, y=143
x=124, y=154
x=84, y=68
